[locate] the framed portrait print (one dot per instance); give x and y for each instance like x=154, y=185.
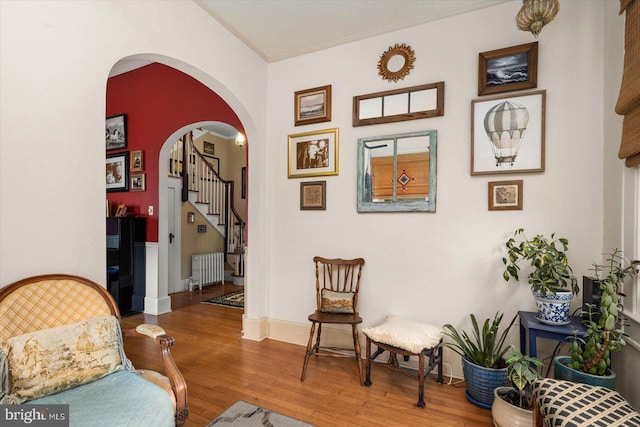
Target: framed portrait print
x=138, y=182
x=508, y=69
x=313, y=154
x=505, y=195
x=137, y=161
x=313, y=195
x=116, y=132
x=507, y=134
x=117, y=172
x=312, y=105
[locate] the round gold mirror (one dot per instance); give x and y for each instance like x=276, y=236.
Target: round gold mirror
x=396, y=62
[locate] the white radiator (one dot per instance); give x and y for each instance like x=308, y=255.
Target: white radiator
x=207, y=268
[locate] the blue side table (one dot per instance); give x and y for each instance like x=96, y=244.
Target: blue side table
x=529, y=324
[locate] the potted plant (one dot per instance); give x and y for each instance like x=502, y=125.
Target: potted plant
x=552, y=280
x=512, y=405
x=482, y=357
x=590, y=355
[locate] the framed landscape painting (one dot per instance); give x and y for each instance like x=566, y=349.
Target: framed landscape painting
x=508, y=69
x=312, y=105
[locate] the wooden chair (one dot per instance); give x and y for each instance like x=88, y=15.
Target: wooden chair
x=337, y=287
x=55, y=300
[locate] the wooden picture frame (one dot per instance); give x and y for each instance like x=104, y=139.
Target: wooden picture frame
x=137, y=161
x=313, y=196
x=117, y=172
x=121, y=211
x=116, y=132
x=312, y=105
x=411, y=103
x=313, y=154
x=138, y=182
x=523, y=150
x=208, y=148
x=508, y=69
x=505, y=195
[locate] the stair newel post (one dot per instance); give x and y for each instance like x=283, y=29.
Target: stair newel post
x=184, y=171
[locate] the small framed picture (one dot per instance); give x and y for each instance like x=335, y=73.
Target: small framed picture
x=508, y=133
x=138, y=182
x=208, y=148
x=117, y=170
x=312, y=105
x=116, y=132
x=137, y=161
x=122, y=210
x=508, y=69
x=313, y=154
x=505, y=195
x=313, y=196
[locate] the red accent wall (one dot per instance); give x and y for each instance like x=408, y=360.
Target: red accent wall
x=158, y=100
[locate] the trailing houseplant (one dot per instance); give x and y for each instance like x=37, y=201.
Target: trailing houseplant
x=512, y=405
x=551, y=279
x=482, y=356
x=591, y=353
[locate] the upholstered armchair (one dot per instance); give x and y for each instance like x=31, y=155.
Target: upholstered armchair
x=61, y=343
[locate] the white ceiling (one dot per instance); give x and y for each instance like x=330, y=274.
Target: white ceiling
x=280, y=29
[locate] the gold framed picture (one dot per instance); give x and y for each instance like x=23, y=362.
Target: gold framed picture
x=505, y=195
x=313, y=154
x=138, y=182
x=137, y=161
x=313, y=195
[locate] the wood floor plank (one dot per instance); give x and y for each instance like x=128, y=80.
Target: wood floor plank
x=221, y=368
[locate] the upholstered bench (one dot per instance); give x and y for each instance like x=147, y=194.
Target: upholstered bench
x=407, y=338
x=565, y=403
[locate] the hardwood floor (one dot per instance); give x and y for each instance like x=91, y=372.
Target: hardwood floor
x=221, y=368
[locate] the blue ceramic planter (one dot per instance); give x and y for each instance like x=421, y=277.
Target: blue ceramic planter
x=553, y=309
x=562, y=371
x=481, y=381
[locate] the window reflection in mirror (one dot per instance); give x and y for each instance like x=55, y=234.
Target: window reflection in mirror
x=397, y=173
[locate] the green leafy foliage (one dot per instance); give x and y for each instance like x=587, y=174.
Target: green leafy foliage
x=592, y=352
x=522, y=371
x=548, y=258
x=485, y=347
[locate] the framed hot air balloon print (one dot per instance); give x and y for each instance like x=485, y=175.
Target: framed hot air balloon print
x=507, y=134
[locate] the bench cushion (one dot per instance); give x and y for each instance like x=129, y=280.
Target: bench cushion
x=565, y=403
x=406, y=334
x=122, y=398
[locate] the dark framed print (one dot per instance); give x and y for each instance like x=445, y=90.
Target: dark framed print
x=117, y=168
x=116, y=132
x=137, y=161
x=313, y=195
x=243, y=177
x=208, y=148
x=508, y=69
x=505, y=195
x=312, y=105
x=138, y=182
x=313, y=154
x=508, y=134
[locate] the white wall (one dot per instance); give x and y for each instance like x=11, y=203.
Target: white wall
x=440, y=267
x=56, y=57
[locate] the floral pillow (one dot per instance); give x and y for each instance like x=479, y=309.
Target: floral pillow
x=336, y=302
x=52, y=360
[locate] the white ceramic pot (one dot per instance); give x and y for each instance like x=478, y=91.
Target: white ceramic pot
x=506, y=415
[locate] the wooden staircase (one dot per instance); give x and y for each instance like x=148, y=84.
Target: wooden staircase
x=212, y=196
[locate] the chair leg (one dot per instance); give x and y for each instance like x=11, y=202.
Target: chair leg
x=356, y=345
x=367, y=363
x=309, y=350
x=317, y=347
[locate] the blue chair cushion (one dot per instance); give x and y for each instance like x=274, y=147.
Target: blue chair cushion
x=122, y=398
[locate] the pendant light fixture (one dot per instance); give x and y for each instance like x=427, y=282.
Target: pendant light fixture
x=535, y=14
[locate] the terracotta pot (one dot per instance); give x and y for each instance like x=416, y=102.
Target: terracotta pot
x=505, y=414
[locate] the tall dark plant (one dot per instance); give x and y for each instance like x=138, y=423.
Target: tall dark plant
x=486, y=347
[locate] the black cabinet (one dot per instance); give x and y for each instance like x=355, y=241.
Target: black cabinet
x=126, y=238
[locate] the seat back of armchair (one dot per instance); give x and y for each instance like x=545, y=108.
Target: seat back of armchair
x=47, y=301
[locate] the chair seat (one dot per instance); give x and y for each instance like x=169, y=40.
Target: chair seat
x=346, y=319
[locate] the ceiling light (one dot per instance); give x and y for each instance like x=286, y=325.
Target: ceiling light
x=535, y=14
